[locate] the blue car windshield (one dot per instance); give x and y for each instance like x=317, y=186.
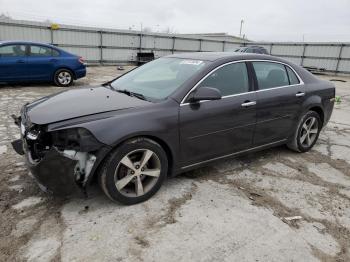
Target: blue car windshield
x=158, y=79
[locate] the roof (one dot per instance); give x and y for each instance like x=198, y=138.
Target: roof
x=217, y=36
x=254, y=46
x=213, y=56
x=24, y=42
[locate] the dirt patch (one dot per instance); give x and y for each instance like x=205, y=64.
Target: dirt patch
x=175, y=204
x=141, y=241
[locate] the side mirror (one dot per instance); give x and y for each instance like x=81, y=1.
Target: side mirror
x=205, y=93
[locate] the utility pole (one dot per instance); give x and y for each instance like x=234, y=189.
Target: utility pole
x=240, y=30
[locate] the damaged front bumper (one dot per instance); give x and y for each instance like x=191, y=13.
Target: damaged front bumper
x=57, y=170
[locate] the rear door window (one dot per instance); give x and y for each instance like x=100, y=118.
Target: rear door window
x=270, y=75
x=36, y=50
x=12, y=50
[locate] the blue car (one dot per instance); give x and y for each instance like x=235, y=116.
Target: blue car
x=34, y=62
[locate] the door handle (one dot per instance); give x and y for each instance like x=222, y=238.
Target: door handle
x=249, y=103
x=300, y=94
x=20, y=61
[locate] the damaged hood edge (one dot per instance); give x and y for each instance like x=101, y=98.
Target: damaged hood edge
x=79, y=103
x=83, y=119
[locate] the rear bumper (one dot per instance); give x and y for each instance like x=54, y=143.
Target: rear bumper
x=328, y=110
x=79, y=73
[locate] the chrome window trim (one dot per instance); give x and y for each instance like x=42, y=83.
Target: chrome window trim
x=301, y=82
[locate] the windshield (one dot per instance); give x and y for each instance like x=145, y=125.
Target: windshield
x=158, y=79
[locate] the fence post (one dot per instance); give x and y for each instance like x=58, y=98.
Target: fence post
x=303, y=55
x=140, y=42
x=339, y=58
x=51, y=35
x=223, y=46
x=271, y=48
x=200, y=45
x=101, y=47
x=173, y=47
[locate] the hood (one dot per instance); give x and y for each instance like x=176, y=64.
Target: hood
x=79, y=102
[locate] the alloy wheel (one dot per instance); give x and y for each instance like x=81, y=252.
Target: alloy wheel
x=137, y=172
x=309, y=131
x=64, y=78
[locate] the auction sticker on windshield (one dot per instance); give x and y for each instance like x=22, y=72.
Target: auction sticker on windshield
x=191, y=62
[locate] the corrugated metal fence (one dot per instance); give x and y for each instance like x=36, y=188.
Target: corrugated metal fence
x=107, y=46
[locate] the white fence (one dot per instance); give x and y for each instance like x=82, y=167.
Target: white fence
x=107, y=46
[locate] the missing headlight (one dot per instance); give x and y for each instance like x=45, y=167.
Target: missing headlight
x=78, y=139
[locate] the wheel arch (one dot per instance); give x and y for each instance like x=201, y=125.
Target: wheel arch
x=166, y=148
x=161, y=142
x=318, y=109
x=314, y=103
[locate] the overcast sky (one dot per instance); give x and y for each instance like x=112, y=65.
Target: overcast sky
x=270, y=20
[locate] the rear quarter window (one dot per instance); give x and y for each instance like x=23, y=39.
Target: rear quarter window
x=55, y=52
x=293, y=79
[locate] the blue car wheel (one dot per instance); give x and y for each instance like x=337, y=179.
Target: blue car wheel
x=63, y=77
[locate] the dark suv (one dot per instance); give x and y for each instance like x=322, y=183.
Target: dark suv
x=252, y=49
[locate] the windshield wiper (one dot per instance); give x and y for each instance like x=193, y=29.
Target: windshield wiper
x=109, y=84
x=133, y=94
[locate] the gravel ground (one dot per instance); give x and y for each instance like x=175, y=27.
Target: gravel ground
x=234, y=210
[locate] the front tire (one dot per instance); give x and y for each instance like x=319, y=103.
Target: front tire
x=307, y=132
x=134, y=171
x=63, y=77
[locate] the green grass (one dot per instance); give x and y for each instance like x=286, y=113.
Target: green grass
x=338, y=99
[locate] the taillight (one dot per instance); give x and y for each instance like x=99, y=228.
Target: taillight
x=81, y=60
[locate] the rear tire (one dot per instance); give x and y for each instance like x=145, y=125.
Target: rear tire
x=307, y=132
x=63, y=77
x=134, y=171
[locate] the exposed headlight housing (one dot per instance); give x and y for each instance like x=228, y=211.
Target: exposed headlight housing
x=79, y=139
x=32, y=135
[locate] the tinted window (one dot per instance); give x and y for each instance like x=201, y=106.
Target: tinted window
x=36, y=50
x=249, y=50
x=257, y=51
x=12, y=50
x=263, y=51
x=230, y=79
x=293, y=79
x=270, y=75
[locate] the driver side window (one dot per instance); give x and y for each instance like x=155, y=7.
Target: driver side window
x=230, y=79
